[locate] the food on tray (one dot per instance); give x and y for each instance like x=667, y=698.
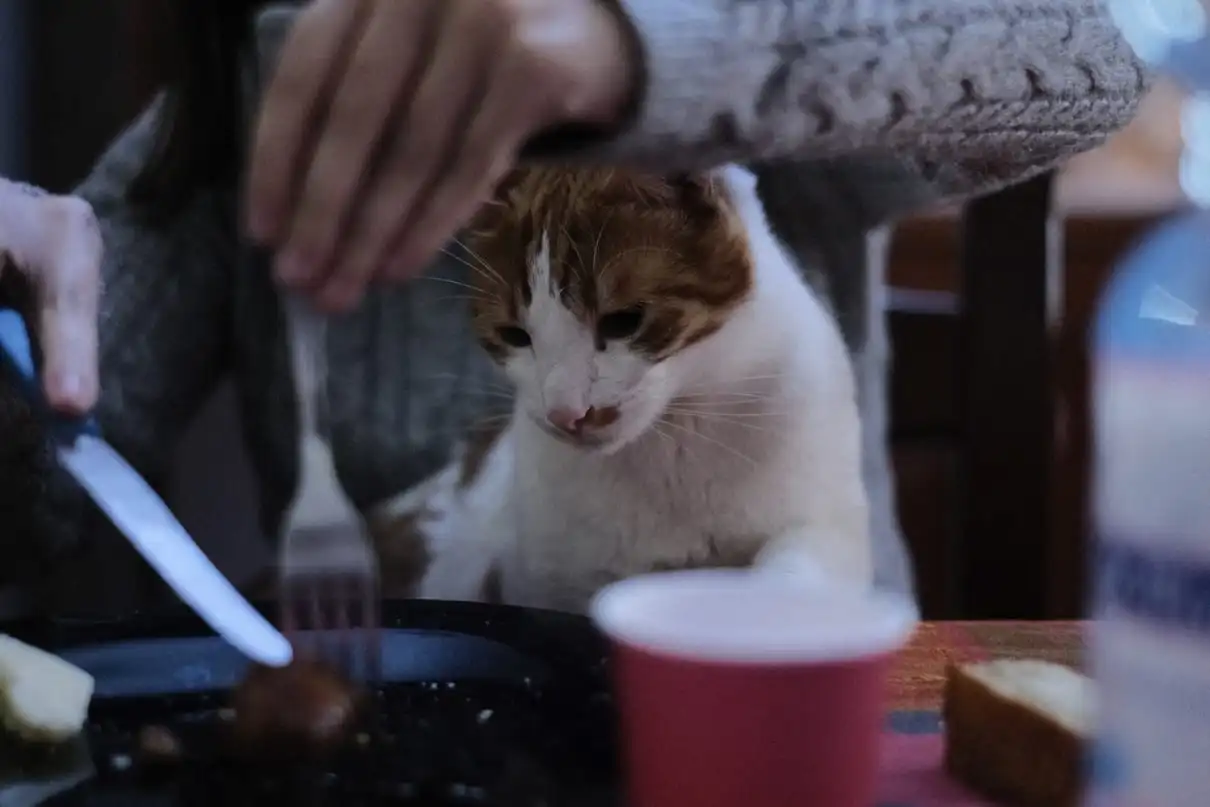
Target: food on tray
x=1015, y=730
x=158, y=745
x=43, y=699
x=305, y=708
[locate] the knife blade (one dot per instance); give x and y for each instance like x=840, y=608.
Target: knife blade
x=140, y=514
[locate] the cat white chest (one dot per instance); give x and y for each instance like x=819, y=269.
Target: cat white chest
x=584, y=520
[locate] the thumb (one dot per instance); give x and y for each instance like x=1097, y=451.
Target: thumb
x=24, y=210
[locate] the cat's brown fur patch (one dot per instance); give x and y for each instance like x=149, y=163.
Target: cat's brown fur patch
x=493, y=587
x=618, y=241
x=403, y=548
x=480, y=440
x=403, y=551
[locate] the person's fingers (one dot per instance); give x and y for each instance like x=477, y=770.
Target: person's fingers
x=445, y=214
x=69, y=288
x=296, y=97
x=383, y=64
x=486, y=154
x=23, y=221
x=428, y=140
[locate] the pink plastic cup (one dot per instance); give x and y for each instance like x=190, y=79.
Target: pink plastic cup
x=745, y=690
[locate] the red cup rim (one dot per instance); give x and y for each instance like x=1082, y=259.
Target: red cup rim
x=734, y=616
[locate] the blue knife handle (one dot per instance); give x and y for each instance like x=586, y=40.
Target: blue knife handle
x=17, y=361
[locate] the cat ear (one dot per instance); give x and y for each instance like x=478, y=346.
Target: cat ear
x=701, y=195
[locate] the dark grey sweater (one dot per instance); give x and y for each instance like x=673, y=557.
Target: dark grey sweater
x=853, y=112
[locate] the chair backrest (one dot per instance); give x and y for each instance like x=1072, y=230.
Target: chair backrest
x=1011, y=274
x=974, y=410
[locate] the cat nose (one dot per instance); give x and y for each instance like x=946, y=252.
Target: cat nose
x=574, y=421
x=567, y=420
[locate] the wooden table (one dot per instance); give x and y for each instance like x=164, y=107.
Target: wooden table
x=912, y=775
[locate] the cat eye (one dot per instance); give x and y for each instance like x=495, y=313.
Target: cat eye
x=619, y=324
x=513, y=336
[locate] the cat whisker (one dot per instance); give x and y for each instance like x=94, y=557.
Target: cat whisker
x=691, y=412
x=708, y=420
x=707, y=438
x=489, y=275
x=739, y=380
x=596, y=244
x=504, y=395
x=476, y=269
x=715, y=414
x=712, y=387
x=575, y=246
x=733, y=398
x=476, y=388
x=713, y=405
x=487, y=393
x=679, y=446
x=481, y=263
x=482, y=382
x=452, y=282
x=655, y=427
x=718, y=401
x=706, y=389
x=494, y=418
x=459, y=377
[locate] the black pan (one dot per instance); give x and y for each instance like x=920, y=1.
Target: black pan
x=479, y=705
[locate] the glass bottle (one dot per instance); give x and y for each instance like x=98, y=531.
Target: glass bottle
x=1150, y=635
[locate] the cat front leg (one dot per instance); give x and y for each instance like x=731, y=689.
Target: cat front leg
x=467, y=571
x=423, y=555
x=819, y=557
x=431, y=544
x=402, y=536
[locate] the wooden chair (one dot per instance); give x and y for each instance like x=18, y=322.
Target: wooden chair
x=974, y=412
x=1011, y=273
x=990, y=392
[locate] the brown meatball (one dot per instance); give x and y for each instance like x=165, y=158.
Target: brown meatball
x=303, y=709
x=158, y=745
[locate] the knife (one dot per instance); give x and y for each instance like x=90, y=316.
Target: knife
x=135, y=509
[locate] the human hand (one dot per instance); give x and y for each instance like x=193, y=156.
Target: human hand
x=387, y=124
x=55, y=242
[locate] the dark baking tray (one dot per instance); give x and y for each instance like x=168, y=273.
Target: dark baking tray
x=479, y=705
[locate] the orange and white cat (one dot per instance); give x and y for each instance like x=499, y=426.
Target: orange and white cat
x=682, y=399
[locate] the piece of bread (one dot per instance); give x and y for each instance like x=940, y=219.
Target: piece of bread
x=43, y=699
x=1015, y=730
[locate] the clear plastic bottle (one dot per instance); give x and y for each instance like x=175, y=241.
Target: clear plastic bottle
x=1150, y=638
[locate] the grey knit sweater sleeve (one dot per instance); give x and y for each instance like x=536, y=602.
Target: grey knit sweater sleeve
x=165, y=322
x=900, y=103
x=164, y=327
x=889, y=105
x=165, y=319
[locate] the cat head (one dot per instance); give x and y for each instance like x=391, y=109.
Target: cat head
x=594, y=284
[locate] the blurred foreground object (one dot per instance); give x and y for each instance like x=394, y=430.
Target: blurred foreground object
x=1151, y=397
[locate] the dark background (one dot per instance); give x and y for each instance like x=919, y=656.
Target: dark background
x=73, y=73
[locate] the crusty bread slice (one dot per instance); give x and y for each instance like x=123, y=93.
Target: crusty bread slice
x=1015, y=730
x=43, y=699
